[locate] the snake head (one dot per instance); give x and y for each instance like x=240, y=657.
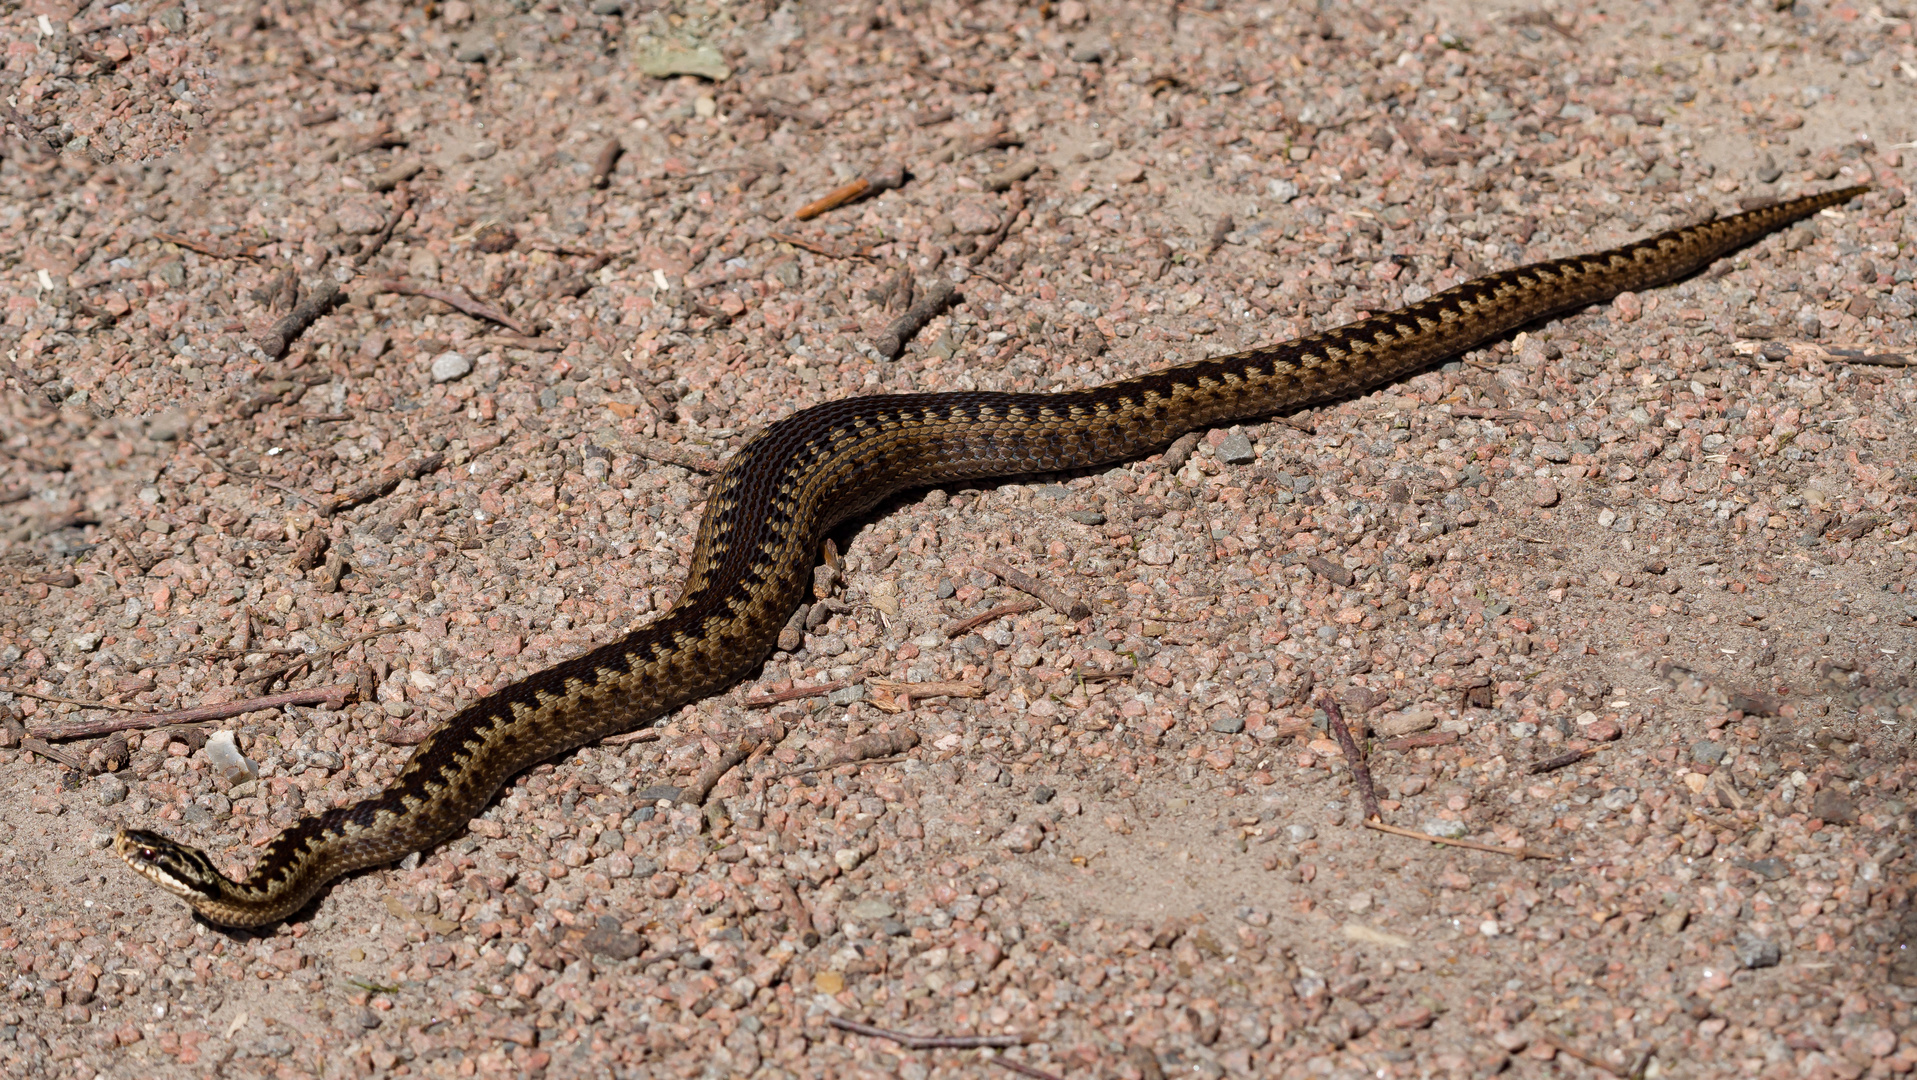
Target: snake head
x=183, y=871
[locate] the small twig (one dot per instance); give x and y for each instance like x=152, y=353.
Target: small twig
x=927, y=1042
x=1059, y=600
x=1552, y=764
x=606, y=161
x=816, y=248
x=626, y=738
x=1021, y=1068
x=332, y=697
x=884, y=179
x=1015, y=206
x=76, y=701
x=1420, y=741
x=903, y=694
x=877, y=744
x=275, y=342
x=1473, y=412
x=793, y=694
x=1594, y=1062
x=656, y=450
x=531, y=344
x=459, y=301
x=931, y=304
x=795, y=909
x=402, y=201
x=960, y=627
x=308, y=659
x=54, y=753
x=211, y=250
x=1523, y=852
x=317, y=504
x=833, y=765
x=694, y=794
x=383, y=483
x=1360, y=772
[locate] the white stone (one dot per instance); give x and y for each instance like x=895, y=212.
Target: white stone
x=448, y=366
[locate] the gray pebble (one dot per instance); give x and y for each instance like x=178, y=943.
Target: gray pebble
x=1042, y=794
x=1756, y=952
x=1298, y=834
x=448, y=366
x=1450, y=830
x=1707, y=753
x=1229, y=725
x=109, y=789
x=1236, y=449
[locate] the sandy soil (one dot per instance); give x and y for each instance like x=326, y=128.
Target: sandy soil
x=1671, y=533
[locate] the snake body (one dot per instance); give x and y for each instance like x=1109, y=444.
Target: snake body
x=769, y=509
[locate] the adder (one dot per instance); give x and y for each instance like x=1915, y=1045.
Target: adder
x=776, y=498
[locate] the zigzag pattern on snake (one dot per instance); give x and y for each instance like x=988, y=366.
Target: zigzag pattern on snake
x=773, y=503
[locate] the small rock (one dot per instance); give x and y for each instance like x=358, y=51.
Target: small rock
x=1770, y=869
x=1544, y=494
x=1627, y=306
x=828, y=982
x=1042, y=794
x=86, y=642
x=608, y=939
x=1282, y=190
x=872, y=910
x=109, y=789
x=1450, y=830
x=657, y=793
x=1707, y=753
x=1089, y=52
x=1673, y=921
x=1022, y=838
x=608, y=7
x=1229, y=725
x=358, y=218
x=1605, y=730
x=1235, y=449
x=1409, y=722
x=167, y=425
x=972, y=219
x=848, y=858
x=1298, y=834
x=448, y=366
x=1834, y=807
x=1756, y=952
x=225, y=757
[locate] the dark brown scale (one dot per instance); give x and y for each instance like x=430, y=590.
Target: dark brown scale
x=806, y=473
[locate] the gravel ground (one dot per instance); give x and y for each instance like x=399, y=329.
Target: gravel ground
x=1672, y=532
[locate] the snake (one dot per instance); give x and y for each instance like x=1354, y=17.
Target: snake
x=769, y=509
